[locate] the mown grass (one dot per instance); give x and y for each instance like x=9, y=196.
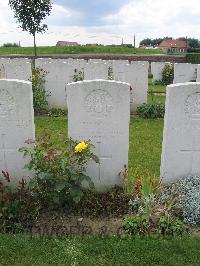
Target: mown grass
x=78, y=50
x=157, y=98
x=144, y=144
x=157, y=88
x=22, y=250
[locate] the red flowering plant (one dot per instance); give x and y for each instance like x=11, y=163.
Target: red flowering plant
x=18, y=207
x=59, y=172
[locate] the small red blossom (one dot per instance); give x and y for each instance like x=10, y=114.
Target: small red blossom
x=50, y=155
x=1, y=185
x=22, y=183
x=6, y=175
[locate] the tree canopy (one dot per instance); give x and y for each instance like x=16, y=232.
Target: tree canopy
x=30, y=14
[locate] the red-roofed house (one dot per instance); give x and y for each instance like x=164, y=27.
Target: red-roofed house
x=169, y=45
x=64, y=43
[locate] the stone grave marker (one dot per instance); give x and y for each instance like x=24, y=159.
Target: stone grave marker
x=95, y=70
x=198, y=73
x=156, y=70
x=185, y=72
x=16, y=125
x=99, y=111
x=18, y=68
x=136, y=74
x=181, y=137
x=58, y=74
x=2, y=71
x=119, y=69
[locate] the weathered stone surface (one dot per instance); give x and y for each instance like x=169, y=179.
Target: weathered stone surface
x=156, y=70
x=181, y=139
x=95, y=70
x=99, y=111
x=119, y=68
x=198, y=73
x=18, y=68
x=185, y=73
x=16, y=124
x=137, y=76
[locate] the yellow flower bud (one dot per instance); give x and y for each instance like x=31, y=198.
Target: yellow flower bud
x=81, y=146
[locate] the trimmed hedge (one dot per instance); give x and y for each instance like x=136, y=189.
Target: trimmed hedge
x=193, y=58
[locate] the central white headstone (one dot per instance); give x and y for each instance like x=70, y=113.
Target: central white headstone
x=99, y=111
x=181, y=140
x=16, y=125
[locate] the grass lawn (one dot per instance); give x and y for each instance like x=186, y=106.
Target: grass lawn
x=22, y=250
x=78, y=50
x=157, y=98
x=145, y=142
x=157, y=88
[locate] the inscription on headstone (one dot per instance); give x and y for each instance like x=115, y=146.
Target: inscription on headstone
x=181, y=142
x=16, y=125
x=99, y=111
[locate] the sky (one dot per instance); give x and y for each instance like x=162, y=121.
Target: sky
x=107, y=21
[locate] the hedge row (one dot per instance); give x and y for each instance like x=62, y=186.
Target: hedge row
x=193, y=58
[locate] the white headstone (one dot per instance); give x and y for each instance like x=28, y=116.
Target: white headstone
x=119, y=69
x=198, y=73
x=184, y=72
x=156, y=70
x=93, y=60
x=58, y=74
x=99, y=111
x=136, y=74
x=95, y=70
x=181, y=140
x=16, y=124
x=17, y=68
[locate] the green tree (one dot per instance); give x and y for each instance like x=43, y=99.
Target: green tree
x=30, y=15
x=192, y=42
x=152, y=42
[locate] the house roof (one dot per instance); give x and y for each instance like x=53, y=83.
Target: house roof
x=67, y=43
x=169, y=43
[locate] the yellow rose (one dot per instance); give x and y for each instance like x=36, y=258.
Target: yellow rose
x=81, y=146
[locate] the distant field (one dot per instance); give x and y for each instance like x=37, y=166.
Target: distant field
x=78, y=50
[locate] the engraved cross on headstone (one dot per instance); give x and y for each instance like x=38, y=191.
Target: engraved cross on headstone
x=101, y=157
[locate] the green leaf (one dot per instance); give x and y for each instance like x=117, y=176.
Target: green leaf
x=60, y=185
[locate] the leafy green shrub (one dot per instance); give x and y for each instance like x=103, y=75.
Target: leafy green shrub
x=193, y=58
x=78, y=75
x=110, y=73
x=149, y=214
x=157, y=82
x=11, y=44
x=168, y=74
x=171, y=226
x=18, y=206
x=59, y=172
x=40, y=103
x=151, y=110
x=136, y=225
x=56, y=112
x=187, y=191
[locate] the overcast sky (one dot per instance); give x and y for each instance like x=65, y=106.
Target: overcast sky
x=107, y=21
